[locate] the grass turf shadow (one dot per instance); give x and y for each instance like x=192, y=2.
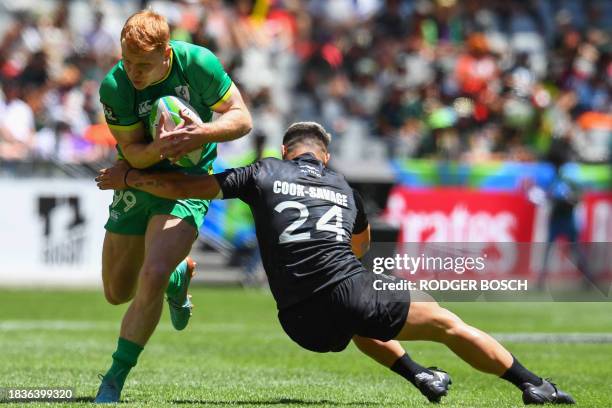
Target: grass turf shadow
x=279, y=401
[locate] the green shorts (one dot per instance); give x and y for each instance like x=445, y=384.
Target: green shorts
x=131, y=210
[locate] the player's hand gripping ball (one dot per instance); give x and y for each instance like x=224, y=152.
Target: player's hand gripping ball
x=169, y=108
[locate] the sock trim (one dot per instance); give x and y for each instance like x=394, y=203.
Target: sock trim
x=518, y=375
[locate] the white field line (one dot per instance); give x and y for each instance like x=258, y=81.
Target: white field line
x=86, y=325
x=554, y=337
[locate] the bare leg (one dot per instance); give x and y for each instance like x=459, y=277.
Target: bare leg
x=429, y=321
x=122, y=257
x=168, y=241
x=385, y=353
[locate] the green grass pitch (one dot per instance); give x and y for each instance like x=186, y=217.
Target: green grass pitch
x=234, y=353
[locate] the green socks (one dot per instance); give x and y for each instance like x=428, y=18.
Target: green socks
x=124, y=358
x=176, y=279
x=126, y=355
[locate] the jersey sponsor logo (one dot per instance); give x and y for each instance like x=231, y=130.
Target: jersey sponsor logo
x=298, y=190
x=313, y=171
x=182, y=91
x=108, y=113
x=144, y=107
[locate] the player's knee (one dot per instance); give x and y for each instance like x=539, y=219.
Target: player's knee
x=117, y=297
x=154, y=278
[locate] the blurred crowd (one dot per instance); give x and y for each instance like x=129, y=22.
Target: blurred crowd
x=470, y=80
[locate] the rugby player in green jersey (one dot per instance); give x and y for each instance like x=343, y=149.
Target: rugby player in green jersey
x=148, y=239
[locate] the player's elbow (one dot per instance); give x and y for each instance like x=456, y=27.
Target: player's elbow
x=365, y=247
x=360, y=242
x=247, y=123
x=361, y=249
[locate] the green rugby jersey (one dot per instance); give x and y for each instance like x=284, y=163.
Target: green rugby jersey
x=195, y=75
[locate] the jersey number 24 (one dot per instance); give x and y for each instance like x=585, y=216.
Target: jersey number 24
x=323, y=223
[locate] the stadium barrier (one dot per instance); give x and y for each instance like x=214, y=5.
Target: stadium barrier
x=51, y=232
x=466, y=215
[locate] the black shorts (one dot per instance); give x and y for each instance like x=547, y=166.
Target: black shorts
x=327, y=321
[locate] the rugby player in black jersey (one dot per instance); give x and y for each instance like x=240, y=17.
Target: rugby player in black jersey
x=311, y=228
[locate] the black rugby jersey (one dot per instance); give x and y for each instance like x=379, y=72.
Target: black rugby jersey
x=305, y=215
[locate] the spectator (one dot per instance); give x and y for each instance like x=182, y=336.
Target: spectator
x=16, y=124
x=429, y=78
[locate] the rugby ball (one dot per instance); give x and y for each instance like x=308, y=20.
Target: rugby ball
x=171, y=106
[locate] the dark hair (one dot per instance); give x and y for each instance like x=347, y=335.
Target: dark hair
x=310, y=133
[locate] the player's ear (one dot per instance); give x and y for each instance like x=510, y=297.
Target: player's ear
x=283, y=151
x=327, y=157
x=167, y=51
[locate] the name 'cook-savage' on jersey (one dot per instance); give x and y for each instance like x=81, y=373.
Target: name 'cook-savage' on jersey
x=305, y=215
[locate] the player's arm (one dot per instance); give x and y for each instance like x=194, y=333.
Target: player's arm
x=136, y=151
x=360, y=240
x=124, y=124
x=172, y=185
x=216, y=89
x=222, y=96
x=232, y=183
x=234, y=122
x=360, y=243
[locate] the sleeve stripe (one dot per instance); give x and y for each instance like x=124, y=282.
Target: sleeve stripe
x=125, y=127
x=224, y=98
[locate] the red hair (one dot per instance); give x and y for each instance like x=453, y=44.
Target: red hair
x=146, y=31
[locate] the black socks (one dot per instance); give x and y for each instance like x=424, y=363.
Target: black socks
x=518, y=375
x=408, y=368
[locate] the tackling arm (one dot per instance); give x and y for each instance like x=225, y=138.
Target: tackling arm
x=172, y=185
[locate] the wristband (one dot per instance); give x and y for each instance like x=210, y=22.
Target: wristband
x=125, y=176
